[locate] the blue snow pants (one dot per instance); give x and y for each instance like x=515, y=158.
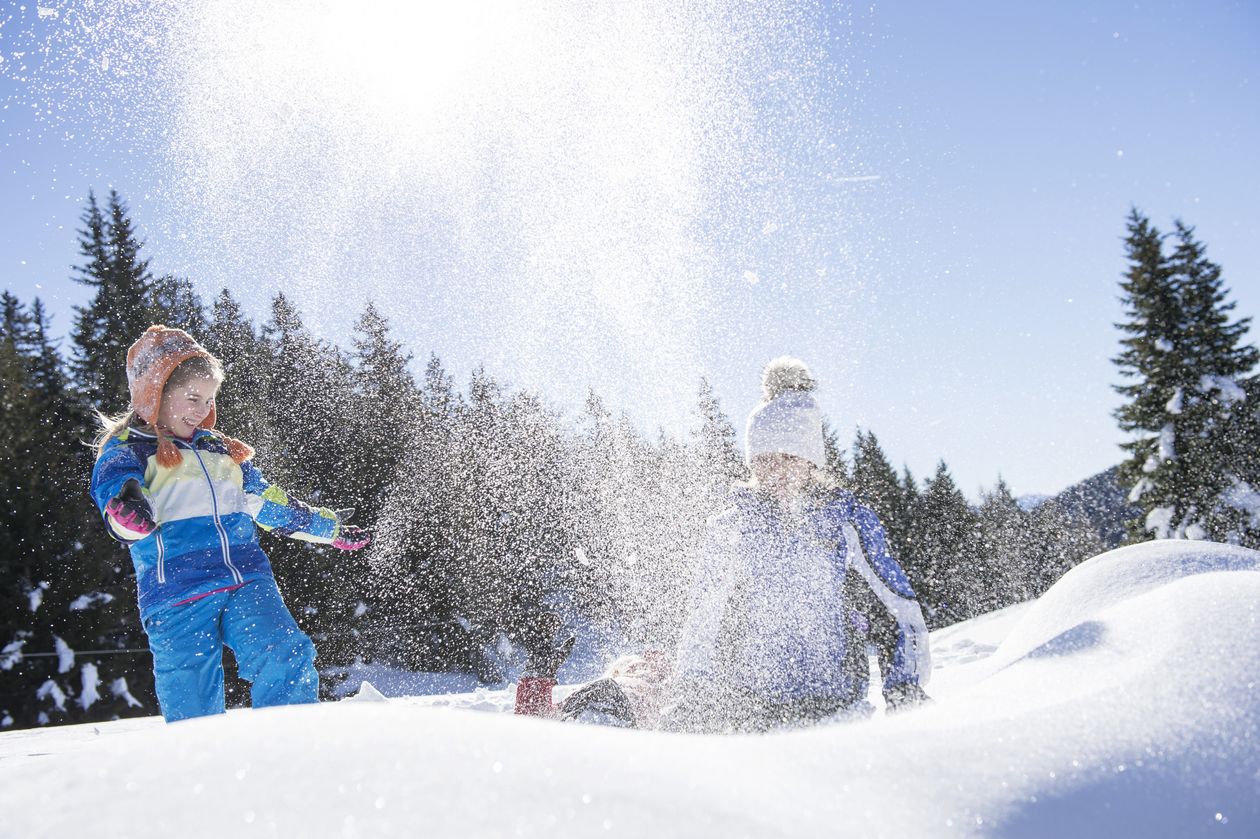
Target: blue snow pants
x=272, y=653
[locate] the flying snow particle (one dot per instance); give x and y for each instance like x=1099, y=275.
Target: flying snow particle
x=360, y=610
x=769, y=227
x=45, y=12
x=751, y=277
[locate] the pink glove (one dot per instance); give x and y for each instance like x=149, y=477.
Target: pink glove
x=129, y=513
x=349, y=537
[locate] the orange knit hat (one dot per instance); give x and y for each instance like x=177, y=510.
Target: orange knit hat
x=150, y=362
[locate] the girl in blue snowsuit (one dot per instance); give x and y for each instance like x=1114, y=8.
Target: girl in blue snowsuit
x=795, y=580
x=186, y=499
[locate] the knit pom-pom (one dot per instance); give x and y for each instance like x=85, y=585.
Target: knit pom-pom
x=786, y=374
x=238, y=451
x=168, y=453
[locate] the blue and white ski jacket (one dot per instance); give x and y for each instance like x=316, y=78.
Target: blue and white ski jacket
x=206, y=509
x=769, y=612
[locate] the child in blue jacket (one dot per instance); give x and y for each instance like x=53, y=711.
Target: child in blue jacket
x=186, y=499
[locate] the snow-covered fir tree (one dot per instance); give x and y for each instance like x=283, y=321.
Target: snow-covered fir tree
x=1186, y=366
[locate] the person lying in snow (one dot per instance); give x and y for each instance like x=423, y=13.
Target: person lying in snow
x=793, y=574
x=796, y=580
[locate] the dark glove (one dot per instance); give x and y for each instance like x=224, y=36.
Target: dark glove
x=349, y=537
x=546, y=647
x=130, y=514
x=904, y=696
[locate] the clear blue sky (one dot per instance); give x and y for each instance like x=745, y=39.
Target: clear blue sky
x=923, y=200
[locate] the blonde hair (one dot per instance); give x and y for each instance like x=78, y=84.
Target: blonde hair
x=112, y=425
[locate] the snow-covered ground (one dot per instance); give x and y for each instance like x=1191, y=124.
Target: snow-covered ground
x=1124, y=702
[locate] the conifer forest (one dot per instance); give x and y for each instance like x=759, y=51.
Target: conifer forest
x=491, y=504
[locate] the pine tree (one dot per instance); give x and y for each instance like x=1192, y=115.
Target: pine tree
x=386, y=406
x=176, y=304
x=1002, y=561
x=121, y=308
x=875, y=484
x=231, y=338
x=62, y=586
x=713, y=441
x=837, y=469
x=947, y=539
x=1185, y=398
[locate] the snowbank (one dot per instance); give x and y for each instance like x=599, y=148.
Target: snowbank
x=1123, y=702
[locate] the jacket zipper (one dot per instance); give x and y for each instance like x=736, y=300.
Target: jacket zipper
x=214, y=501
x=161, y=548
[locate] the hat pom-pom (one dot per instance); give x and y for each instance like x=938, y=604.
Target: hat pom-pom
x=238, y=451
x=786, y=374
x=167, y=452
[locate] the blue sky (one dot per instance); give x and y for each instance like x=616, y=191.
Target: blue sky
x=925, y=201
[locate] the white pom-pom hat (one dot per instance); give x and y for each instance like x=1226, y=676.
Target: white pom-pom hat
x=788, y=420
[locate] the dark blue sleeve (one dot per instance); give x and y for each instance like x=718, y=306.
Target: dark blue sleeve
x=117, y=464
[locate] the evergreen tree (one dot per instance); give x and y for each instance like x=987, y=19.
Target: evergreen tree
x=875, y=484
x=906, y=532
x=386, y=406
x=62, y=589
x=231, y=337
x=713, y=440
x=1186, y=402
x=177, y=304
x=122, y=306
x=837, y=469
x=947, y=539
x=1003, y=561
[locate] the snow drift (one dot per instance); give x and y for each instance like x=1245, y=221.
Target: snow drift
x=1122, y=702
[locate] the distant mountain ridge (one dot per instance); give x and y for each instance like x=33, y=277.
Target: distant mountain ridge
x=1104, y=502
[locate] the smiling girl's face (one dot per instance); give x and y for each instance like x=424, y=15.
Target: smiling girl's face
x=185, y=404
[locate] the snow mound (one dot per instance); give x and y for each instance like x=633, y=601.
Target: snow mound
x=1122, y=703
x=367, y=693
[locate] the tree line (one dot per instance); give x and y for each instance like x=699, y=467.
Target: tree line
x=489, y=505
